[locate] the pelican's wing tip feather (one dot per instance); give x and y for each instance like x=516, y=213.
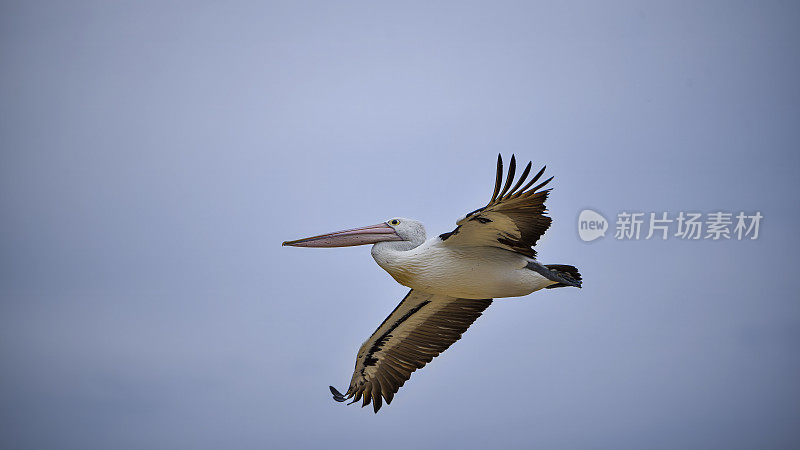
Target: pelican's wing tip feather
x=498, y=178
x=337, y=395
x=508, y=193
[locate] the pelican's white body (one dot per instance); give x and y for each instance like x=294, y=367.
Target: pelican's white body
x=459, y=271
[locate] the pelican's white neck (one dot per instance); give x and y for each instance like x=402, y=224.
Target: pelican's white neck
x=392, y=255
x=387, y=252
x=393, y=258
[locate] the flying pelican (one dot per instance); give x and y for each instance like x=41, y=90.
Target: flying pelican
x=453, y=278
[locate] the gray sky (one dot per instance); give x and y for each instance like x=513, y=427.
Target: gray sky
x=155, y=156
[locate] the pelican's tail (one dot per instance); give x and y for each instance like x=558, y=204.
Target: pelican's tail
x=567, y=275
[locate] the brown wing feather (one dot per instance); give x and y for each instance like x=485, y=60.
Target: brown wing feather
x=513, y=219
x=420, y=328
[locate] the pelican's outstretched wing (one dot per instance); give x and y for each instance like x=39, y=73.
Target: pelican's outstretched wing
x=420, y=327
x=514, y=219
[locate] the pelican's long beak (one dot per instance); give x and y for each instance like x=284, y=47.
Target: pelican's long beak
x=346, y=238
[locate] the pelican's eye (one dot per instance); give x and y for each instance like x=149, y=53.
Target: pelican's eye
x=394, y=222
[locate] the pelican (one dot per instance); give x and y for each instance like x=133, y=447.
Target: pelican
x=453, y=278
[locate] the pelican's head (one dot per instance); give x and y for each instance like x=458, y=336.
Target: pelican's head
x=395, y=229
x=408, y=229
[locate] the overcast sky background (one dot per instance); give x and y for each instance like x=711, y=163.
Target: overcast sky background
x=155, y=155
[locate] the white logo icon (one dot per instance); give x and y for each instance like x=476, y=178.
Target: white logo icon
x=591, y=225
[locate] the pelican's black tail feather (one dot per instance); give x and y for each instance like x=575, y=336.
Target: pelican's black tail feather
x=569, y=274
